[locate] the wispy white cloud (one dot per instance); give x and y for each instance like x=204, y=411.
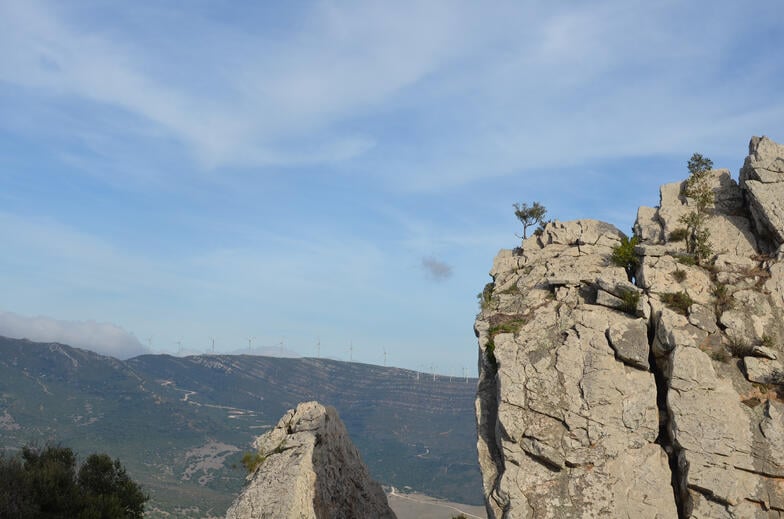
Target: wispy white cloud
x=480, y=92
x=104, y=338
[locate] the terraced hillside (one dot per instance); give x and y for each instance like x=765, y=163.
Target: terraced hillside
x=181, y=424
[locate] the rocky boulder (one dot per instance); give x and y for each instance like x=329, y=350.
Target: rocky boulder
x=762, y=177
x=308, y=468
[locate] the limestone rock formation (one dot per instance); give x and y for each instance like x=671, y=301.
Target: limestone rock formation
x=309, y=469
x=655, y=396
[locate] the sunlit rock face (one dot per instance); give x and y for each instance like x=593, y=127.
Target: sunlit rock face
x=653, y=391
x=308, y=468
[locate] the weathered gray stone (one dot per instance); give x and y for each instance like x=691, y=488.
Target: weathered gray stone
x=647, y=226
x=763, y=370
x=762, y=177
x=653, y=250
x=766, y=353
x=768, y=204
x=606, y=299
x=629, y=339
x=765, y=161
x=703, y=318
x=310, y=470
x=615, y=287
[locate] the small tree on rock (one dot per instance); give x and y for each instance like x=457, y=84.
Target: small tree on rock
x=697, y=187
x=529, y=216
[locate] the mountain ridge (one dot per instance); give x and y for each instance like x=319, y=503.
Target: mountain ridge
x=169, y=418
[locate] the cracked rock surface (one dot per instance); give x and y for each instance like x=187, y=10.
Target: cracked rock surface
x=310, y=470
x=602, y=398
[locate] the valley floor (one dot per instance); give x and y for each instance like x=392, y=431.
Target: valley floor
x=420, y=506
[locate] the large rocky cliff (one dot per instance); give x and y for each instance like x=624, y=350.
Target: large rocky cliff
x=308, y=468
x=652, y=392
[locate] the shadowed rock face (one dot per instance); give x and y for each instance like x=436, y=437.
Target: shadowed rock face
x=309, y=469
x=600, y=397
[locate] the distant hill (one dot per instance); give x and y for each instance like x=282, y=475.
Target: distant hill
x=180, y=425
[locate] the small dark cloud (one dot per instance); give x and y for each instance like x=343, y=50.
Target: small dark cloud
x=104, y=338
x=435, y=269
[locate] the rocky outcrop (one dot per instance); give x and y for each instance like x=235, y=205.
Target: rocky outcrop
x=308, y=468
x=655, y=396
x=762, y=176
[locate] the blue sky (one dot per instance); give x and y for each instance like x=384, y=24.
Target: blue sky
x=341, y=172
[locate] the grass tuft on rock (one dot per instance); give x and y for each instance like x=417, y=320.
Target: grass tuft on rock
x=630, y=299
x=677, y=301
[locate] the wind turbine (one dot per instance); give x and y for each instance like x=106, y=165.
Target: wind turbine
x=318, y=347
x=179, y=347
x=212, y=339
x=250, y=342
x=149, y=343
x=385, y=357
x=351, y=351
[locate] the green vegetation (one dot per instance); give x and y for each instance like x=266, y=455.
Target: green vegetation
x=678, y=234
x=490, y=352
x=738, y=346
x=723, y=298
x=697, y=188
x=252, y=460
x=510, y=326
x=529, y=216
x=687, y=259
x=45, y=484
x=630, y=298
x=485, y=296
x=679, y=275
x=677, y=301
x=768, y=341
x=720, y=354
x=503, y=323
x=540, y=228
x=623, y=255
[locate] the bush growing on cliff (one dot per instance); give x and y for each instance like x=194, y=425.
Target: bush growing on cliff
x=252, y=460
x=623, y=255
x=529, y=216
x=630, y=299
x=485, y=297
x=678, y=234
x=679, y=275
x=677, y=301
x=697, y=187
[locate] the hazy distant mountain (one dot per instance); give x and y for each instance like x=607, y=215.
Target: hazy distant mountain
x=180, y=425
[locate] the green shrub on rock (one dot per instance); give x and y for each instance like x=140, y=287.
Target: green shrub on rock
x=677, y=301
x=697, y=188
x=623, y=255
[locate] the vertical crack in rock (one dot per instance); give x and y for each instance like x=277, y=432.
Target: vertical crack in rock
x=487, y=400
x=661, y=367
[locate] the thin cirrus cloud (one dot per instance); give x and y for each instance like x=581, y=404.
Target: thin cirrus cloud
x=257, y=110
x=507, y=87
